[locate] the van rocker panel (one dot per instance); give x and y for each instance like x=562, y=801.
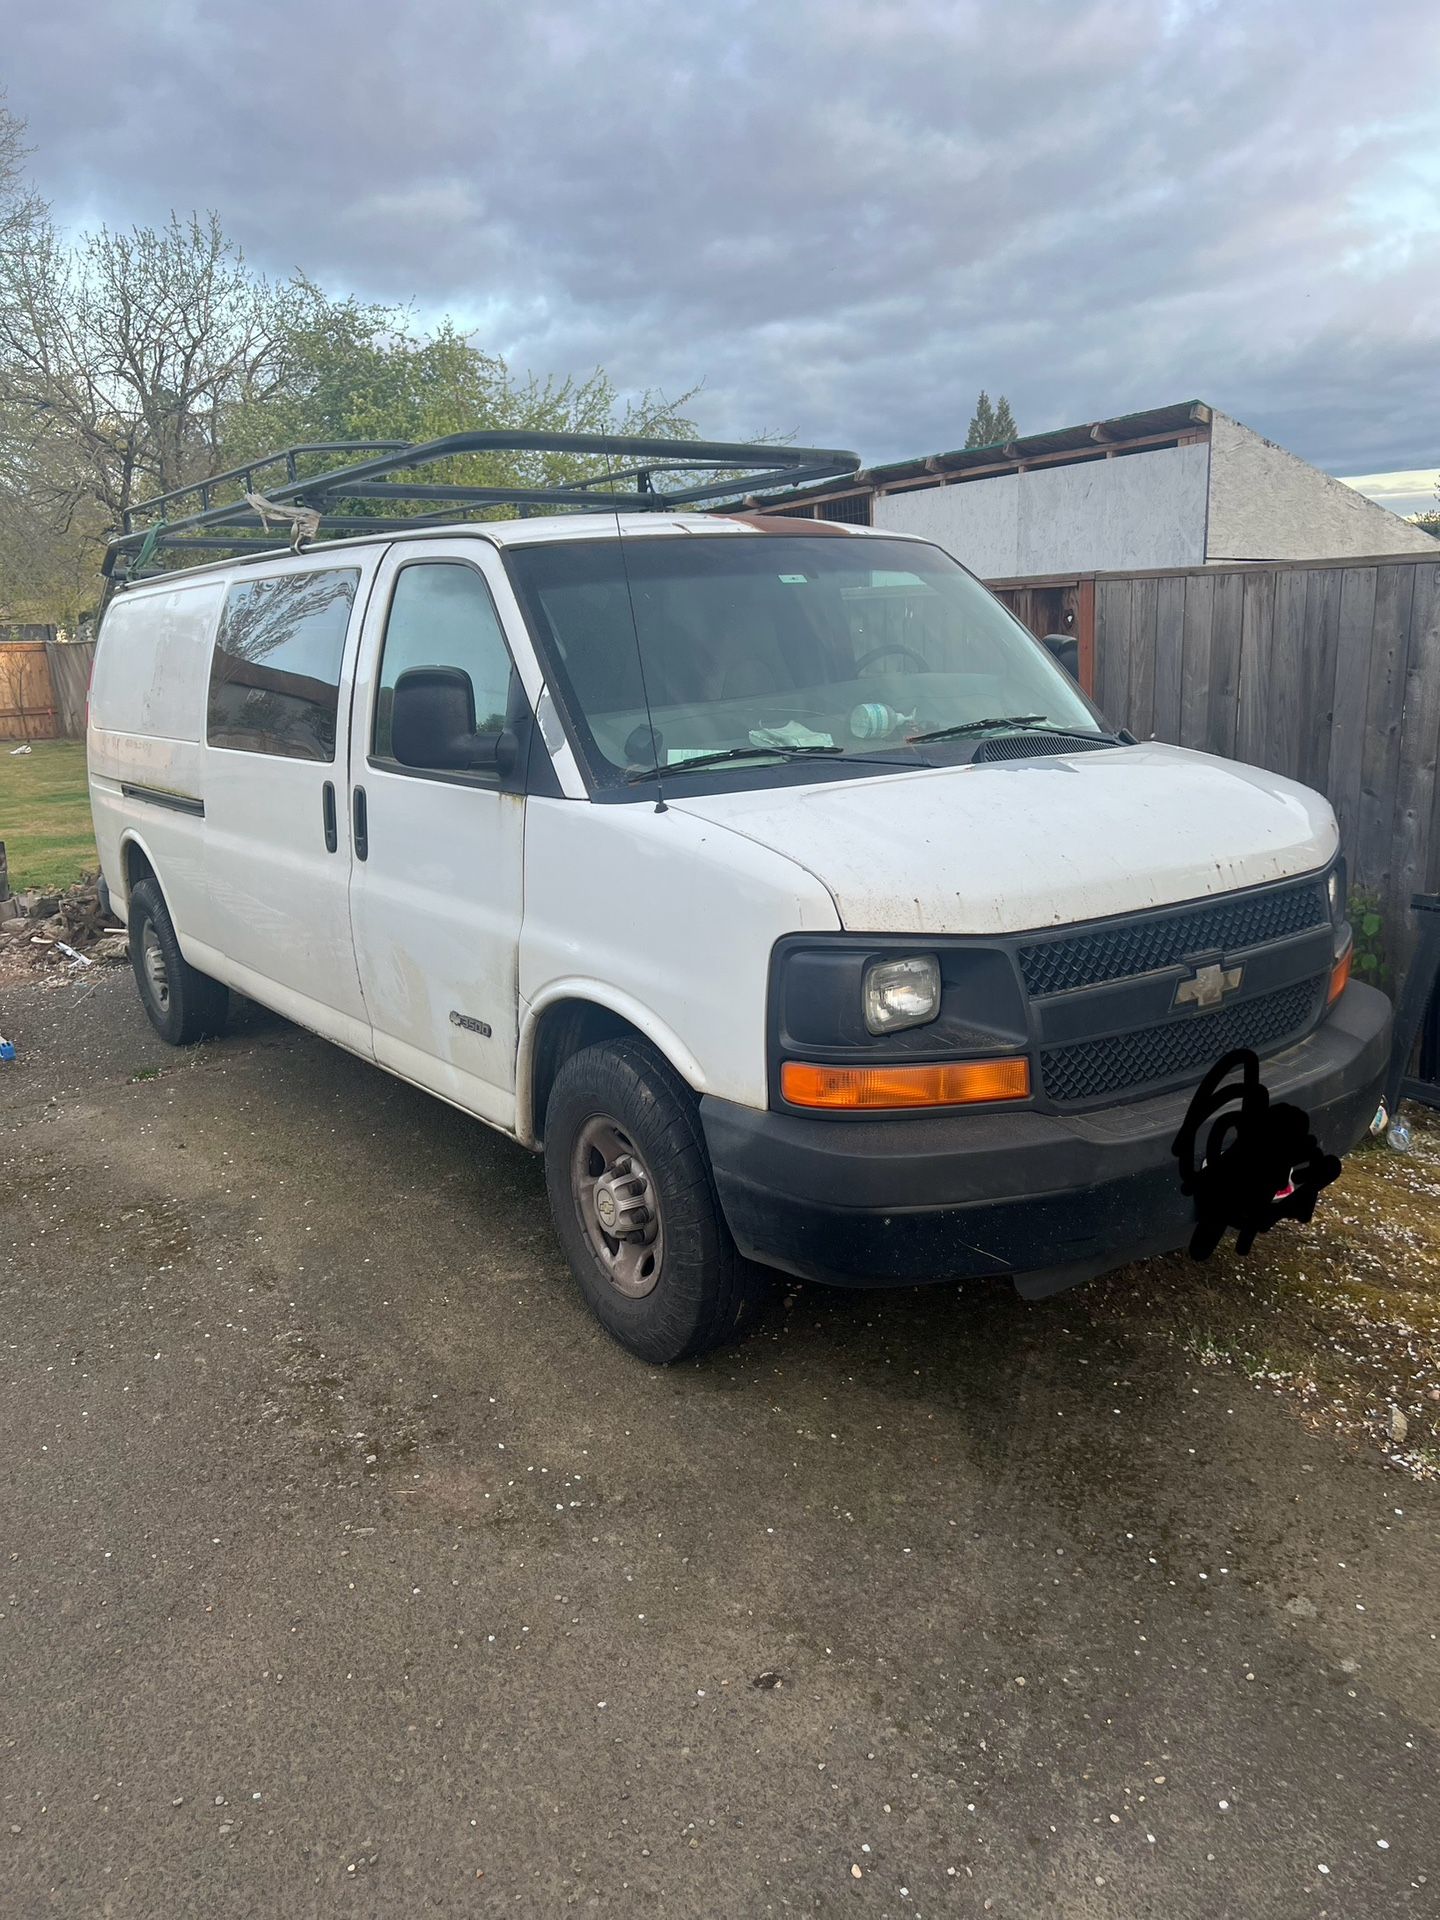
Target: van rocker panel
x=1049, y=1199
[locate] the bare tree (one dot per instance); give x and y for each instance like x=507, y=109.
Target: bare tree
x=18, y=206
x=43, y=573
x=133, y=363
x=122, y=356
x=128, y=351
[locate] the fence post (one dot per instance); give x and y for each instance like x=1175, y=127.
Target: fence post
x=1085, y=629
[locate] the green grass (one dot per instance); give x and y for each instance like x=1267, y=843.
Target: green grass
x=45, y=814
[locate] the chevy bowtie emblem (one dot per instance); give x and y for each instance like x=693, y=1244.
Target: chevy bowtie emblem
x=1208, y=986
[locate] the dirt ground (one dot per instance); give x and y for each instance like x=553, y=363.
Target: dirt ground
x=350, y=1569
x=1340, y=1318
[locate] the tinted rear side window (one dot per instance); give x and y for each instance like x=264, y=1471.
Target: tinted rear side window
x=275, y=674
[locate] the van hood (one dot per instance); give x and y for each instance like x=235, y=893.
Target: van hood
x=1010, y=846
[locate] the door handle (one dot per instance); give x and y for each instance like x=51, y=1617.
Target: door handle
x=327, y=813
x=361, y=826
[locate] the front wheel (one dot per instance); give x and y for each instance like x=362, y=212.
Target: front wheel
x=636, y=1209
x=184, y=1004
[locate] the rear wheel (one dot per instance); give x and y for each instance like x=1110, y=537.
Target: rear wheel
x=184, y=1004
x=636, y=1209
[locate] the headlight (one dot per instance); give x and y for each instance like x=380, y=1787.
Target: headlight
x=1335, y=891
x=901, y=993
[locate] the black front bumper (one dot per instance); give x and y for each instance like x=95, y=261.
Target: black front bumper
x=1050, y=1199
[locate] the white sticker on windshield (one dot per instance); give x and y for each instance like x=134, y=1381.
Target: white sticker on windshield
x=675, y=756
x=794, y=579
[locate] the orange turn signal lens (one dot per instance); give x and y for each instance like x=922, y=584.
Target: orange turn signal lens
x=950, y=1083
x=1339, y=976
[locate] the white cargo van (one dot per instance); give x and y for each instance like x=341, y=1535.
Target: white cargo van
x=763, y=873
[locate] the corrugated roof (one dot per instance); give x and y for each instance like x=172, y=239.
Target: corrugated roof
x=1030, y=446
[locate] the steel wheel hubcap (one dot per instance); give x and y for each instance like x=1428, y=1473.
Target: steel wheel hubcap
x=618, y=1207
x=156, y=978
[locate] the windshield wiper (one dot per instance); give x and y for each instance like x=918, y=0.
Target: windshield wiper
x=1022, y=722
x=978, y=726
x=696, y=763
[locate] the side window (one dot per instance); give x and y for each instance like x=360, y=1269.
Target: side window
x=275, y=673
x=441, y=615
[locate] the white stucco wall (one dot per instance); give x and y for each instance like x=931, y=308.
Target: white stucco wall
x=978, y=522
x=1140, y=510
x=1265, y=504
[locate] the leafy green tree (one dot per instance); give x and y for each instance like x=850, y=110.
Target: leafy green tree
x=130, y=351
x=358, y=372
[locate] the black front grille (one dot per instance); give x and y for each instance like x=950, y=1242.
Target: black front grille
x=1090, y=1069
x=1027, y=746
x=1140, y=946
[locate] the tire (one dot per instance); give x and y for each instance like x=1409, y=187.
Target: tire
x=183, y=1004
x=685, y=1288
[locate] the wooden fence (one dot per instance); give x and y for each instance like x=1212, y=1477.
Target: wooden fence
x=43, y=686
x=70, y=676
x=1328, y=672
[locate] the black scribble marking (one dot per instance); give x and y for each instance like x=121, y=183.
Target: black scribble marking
x=1259, y=1163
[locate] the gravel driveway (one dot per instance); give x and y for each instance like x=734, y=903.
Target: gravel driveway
x=350, y=1570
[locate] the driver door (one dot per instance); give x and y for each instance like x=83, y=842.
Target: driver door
x=436, y=883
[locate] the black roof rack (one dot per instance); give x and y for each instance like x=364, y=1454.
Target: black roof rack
x=351, y=498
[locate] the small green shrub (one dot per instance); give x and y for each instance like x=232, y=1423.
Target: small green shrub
x=1367, y=921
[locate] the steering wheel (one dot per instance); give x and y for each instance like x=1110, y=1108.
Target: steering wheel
x=886, y=652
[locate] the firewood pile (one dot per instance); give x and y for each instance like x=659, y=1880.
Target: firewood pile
x=62, y=932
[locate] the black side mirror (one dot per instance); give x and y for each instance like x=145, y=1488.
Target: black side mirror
x=1064, y=649
x=432, y=724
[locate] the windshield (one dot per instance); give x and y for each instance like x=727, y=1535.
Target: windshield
x=705, y=644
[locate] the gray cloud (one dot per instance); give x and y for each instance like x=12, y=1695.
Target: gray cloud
x=845, y=215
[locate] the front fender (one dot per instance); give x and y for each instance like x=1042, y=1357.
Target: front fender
x=595, y=993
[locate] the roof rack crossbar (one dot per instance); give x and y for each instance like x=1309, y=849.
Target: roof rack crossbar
x=753, y=483
x=559, y=496
x=733, y=469
x=246, y=474
x=639, y=474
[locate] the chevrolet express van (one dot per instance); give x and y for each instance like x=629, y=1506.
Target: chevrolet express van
x=764, y=874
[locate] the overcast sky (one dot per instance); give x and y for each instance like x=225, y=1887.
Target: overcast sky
x=843, y=216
